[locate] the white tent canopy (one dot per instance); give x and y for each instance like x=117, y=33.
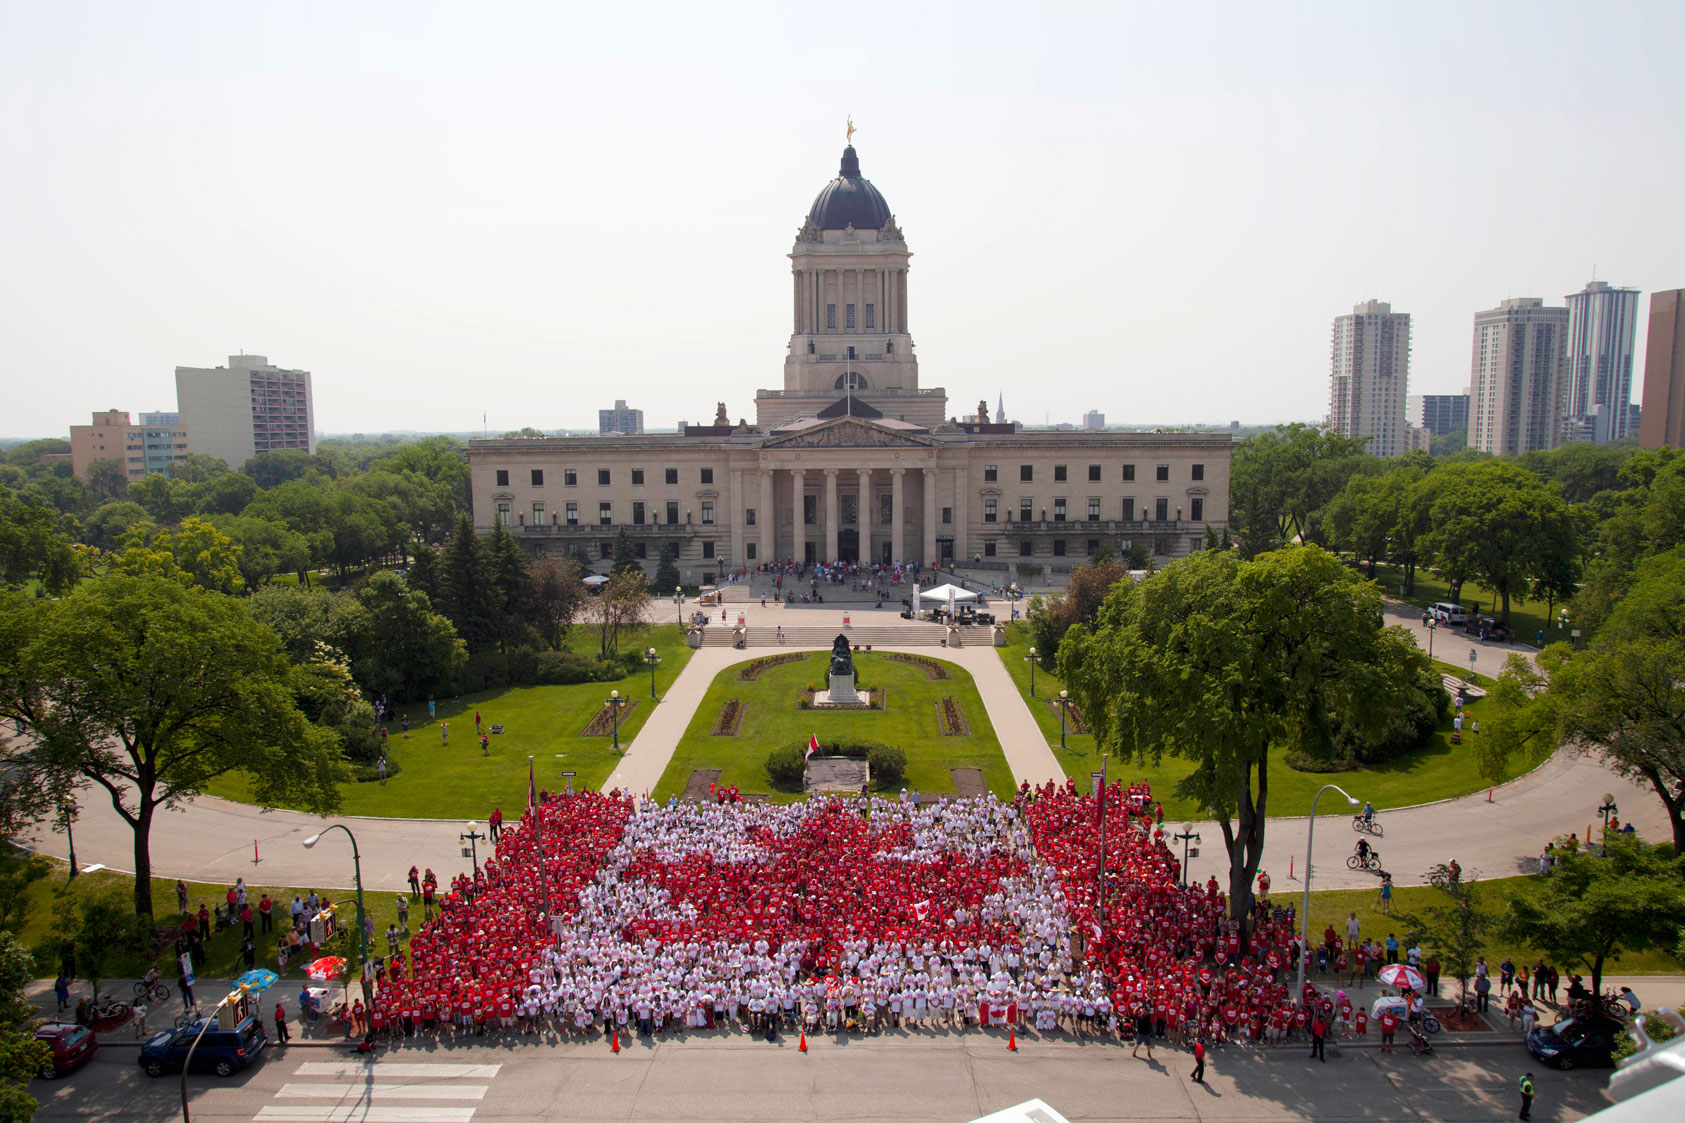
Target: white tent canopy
x=945, y=593
x=596, y=579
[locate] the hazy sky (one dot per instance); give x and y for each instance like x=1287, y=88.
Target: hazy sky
x=530, y=210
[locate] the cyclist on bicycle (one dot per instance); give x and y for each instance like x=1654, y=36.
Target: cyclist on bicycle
x=151, y=979
x=1368, y=814
x=1363, y=851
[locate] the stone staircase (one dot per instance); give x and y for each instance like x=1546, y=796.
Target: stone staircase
x=900, y=634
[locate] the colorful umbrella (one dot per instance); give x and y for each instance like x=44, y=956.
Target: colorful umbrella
x=327, y=967
x=258, y=979
x=1402, y=976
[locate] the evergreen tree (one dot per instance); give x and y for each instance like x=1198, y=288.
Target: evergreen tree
x=667, y=571
x=513, y=583
x=425, y=575
x=470, y=587
x=625, y=555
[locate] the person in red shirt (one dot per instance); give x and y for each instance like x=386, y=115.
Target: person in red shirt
x=281, y=1034
x=265, y=909
x=1389, y=1026
x=1319, y=1031
x=1198, y=1074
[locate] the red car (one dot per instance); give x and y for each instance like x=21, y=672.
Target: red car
x=72, y=1045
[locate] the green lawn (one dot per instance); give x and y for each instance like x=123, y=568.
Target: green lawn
x=1525, y=617
x=437, y=780
x=1332, y=907
x=1439, y=770
x=773, y=718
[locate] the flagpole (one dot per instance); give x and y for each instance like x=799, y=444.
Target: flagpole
x=537, y=809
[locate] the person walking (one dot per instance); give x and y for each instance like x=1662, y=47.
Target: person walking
x=181, y=897
x=1319, y=1031
x=1198, y=1074
x=380, y=767
x=1526, y=1097
x=444, y=733
x=1143, y=1032
x=61, y=991
x=1386, y=894
x=281, y=1034
x=188, y=1002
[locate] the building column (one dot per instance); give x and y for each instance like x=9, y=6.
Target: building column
x=766, y=518
x=895, y=527
x=734, y=512
x=962, y=515
x=831, y=515
x=798, y=528
x=864, y=515
x=929, y=482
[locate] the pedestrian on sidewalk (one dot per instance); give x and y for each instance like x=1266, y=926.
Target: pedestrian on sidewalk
x=1319, y=1031
x=1526, y=1097
x=281, y=1034
x=139, y=1011
x=61, y=991
x=1143, y=1032
x=188, y=1003
x=265, y=914
x=1198, y=1074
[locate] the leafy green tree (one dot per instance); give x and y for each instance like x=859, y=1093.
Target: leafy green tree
x=667, y=570
x=166, y=500
x=224, y=493
x=271, y=469
x=1451, y=443
x=31, y=547
x=1283, y=479
x=622, y=607
x=195, y=553
x=402, y=648
x=266, y=547
x=1224, y=661
x=22, y=1057
x=17, y=873
x=1594, y=906
x=625, y=554
x=1456, y=928
x=96, y=926
x=107, y=525
x=1051, y=617
x=198, y=468
x=152, y=688
x=1496, y=522
x=557, y=597
x=440, y=460
x=1645, y=519
x=108, y=479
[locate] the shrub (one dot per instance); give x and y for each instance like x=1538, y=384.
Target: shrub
x=888, y=764
x=370, y=773
x=787, y=765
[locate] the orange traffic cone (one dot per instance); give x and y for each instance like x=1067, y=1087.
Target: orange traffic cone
x=1012, y=1039
x=614, y=1046
x=801, y=1046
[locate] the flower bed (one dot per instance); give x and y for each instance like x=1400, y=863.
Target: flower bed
x=1073, y=716
x=731, y=717
x=951, y=719
x=602, y=722
x=752, y=669
x=932, y=669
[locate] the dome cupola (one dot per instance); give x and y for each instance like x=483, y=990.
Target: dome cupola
x=849, y=200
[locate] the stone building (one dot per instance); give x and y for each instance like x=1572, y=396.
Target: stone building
x=852, y=459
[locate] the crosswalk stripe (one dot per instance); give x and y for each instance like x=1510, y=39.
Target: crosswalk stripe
x=359, y=1113
x=375, y=1093
x=396, y=1068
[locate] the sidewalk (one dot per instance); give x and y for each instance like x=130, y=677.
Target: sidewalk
x=162, y=1016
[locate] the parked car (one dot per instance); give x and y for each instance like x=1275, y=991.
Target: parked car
x=221, y=1051
x=1493, y=629
x=1575, y=1043
x=73, y=1046
x=1447, y=612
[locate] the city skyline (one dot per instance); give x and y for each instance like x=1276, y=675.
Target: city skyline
x=446, y=221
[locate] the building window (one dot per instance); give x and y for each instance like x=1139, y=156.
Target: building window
x=748, y=516
x=502, y=476
x=1025, y=548
x=1199, y=472
x=605, y=550
x=707, y=549
x=1094, y=473
x=849, y=313
x=1025, y=514
x=1094, y=510
x=707, y=512
x=1128, y=471
x=1196, y=509
x=830, y=317
x=637, y=514
x=1059, y=473
x=1058, y=510
x=605, y=513
x=947, y=516
x=750, y=551
x=1093, y=546
x=989, y=548
x=602, y=477
x=538, y=477
x=1164, y=471
x=871, y=317
x=570, y=478
x=990, y=473
x=672, y=475
x=707, y=475
x=637, y=477
x=1128, y=515
x=886, y=509
x=672, y=512
x=810, y=509
x=1161, y=510
x=988, y=510
x=1058, y=547
x=538, y=514
x=1026, y=473
x=572, y=515
x=502, y=508
x=640, y=550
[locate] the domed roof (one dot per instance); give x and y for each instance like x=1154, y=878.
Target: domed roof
x=849, y=200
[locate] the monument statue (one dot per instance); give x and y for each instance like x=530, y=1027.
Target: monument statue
x=842, y=659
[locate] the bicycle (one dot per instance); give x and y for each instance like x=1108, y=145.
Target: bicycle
x=1372, y=862
x=153, y=992
x=108, y=1009
x=1368, y=826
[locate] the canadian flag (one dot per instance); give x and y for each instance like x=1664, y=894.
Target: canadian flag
x=922, y=908
x=812, y=745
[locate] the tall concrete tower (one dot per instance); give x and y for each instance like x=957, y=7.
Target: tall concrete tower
x=1369, y=376
x=1602, y=329
x=1516, y=377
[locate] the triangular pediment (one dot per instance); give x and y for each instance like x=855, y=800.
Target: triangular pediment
x=848, y=432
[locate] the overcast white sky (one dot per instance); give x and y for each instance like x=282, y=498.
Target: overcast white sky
x=530, y=210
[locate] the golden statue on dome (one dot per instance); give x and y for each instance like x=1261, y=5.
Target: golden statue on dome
x=848, y=136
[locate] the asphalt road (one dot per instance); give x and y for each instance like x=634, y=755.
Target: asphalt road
x=938, y=1077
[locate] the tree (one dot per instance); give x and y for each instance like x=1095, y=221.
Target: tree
x=1497, y=522
x=625, y=554
x=166, y=500
x=31, y=547
x=1594, y=906
x=512, y=579
x=441, y=461
x=667, y=570
x=106, y=526
x=22, y=1057
x=621, y=602
x=469, y=588
x=266, y=547
x=151, y=689
x=195, y=553
x=270, y=469
x=224, y=493
x=1051, y=617
x=1456, y=929
x=198, y=468
x=401, y=647
x=1224, y=661
x=558, y=594
x=108, y=479
x=93, y=927
x=1282, y=479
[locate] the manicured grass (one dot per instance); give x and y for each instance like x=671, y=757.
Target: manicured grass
x=773, y=718
x=1333, y=906
x=1439, y=770
x=438, y=780
x=1525, y=617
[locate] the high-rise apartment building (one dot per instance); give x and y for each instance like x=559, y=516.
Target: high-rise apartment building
x=249, y=406
x=1369, y=376
x=1663, y=420
x=152, y=446
x=1602, y=329
x=1439, y=413
x=619, y=419
x=1516, y=376
x=1093, y=419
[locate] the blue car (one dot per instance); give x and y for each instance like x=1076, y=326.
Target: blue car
x=221, y=1051
x=1575, y=1043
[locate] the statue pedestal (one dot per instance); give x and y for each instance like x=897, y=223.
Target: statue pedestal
x=842, y=692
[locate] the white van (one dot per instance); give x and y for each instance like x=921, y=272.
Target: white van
x=1447, y=613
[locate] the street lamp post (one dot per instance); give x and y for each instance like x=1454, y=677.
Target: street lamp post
x=187, y=1062
x=1064, y=700
x=357, y=873
x=615, y=701
x=1433, y=626
x=1188, y=835
x=473, y=838
x=1607, y=809
x=1032, y=658
x=679, y=603
x=1305, y=910
x=652, y=659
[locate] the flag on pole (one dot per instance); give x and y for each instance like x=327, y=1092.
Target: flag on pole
x=921, y=908
x=532, y=791
x=812, y=745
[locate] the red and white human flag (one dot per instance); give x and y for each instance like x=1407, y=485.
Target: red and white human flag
x=812, y=745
